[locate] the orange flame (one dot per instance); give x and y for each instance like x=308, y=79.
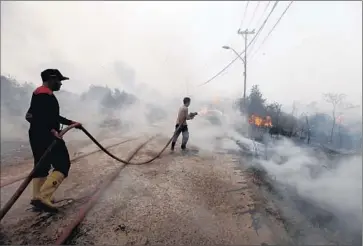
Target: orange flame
x=259, y=121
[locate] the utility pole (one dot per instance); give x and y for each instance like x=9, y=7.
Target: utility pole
x=245, y=34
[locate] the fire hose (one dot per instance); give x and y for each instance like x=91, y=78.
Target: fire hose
x=27, y=180
x=92, y=201
x=3, y=184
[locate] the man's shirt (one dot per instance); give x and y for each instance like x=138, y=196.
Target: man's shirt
x=43, y=113
x=182, y=115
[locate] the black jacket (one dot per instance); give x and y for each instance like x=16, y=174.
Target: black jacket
x=43, y=113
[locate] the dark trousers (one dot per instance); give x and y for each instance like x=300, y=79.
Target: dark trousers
x=185, y=133
x=58, y=157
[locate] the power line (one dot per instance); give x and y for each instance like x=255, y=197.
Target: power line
x=264, y=23
x=258, y=32
x=254, y=12
x=264, y=11
x=235, y=59
x=255, y=40
x=244, y=14
x=277, y=22
x=273, y=28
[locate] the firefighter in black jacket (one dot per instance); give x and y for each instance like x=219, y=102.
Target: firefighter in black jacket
x=43, y=116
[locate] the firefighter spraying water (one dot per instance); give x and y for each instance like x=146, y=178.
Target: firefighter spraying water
x=181, y=124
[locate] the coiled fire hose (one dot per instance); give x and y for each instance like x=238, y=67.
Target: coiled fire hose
x=29, y=178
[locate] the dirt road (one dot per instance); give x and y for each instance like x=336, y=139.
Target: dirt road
x=178, y=199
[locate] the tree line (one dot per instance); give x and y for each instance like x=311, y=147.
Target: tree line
x=308, y=125
x=15, y=97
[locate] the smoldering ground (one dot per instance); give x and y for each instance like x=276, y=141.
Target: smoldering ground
x=326, y=190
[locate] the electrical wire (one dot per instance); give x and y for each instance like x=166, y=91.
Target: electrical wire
x=263, y=24
x=273, y=28
x=258, y=32
x=244, y=14
x=254, y=13
x=235, y=59
x=264, y=11
x=255, y=40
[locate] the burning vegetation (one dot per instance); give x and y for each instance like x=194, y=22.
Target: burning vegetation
x=260, y=121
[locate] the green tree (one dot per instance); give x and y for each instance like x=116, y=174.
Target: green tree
x=274, y=111
x=256, y=102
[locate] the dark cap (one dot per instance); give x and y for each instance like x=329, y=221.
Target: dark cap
x=52, y=73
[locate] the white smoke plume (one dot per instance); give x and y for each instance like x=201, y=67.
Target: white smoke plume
x=334, y=185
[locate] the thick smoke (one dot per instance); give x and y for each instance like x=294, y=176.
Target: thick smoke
x=332, y=184
x=108, y=112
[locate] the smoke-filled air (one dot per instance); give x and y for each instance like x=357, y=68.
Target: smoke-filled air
x=275, y=93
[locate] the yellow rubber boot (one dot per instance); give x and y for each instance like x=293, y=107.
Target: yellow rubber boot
x=37, y=184
x=47, y=190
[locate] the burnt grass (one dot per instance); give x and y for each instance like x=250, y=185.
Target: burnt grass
x=305, y=222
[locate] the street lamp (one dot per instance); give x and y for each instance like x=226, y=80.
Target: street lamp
x=244, y=74
x=234, y=51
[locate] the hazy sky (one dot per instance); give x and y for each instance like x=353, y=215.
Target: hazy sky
x=174, y=46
